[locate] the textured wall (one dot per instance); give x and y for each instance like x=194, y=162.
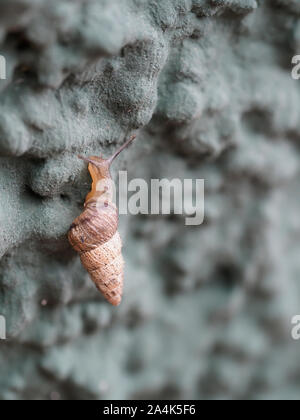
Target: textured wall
x=207, y=86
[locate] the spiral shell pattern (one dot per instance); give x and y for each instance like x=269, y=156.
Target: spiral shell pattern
x=95, y=237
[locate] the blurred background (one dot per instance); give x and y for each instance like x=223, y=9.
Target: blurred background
x=207, y=86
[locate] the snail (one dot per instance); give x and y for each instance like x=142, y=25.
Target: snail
x=94, y=234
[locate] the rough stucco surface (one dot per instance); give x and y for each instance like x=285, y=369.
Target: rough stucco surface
x=207, y=86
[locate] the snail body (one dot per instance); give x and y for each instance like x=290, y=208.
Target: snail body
x=94, y=234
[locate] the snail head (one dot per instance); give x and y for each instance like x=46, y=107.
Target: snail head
x=101, y=166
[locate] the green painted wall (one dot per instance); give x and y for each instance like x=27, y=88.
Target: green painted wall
x=207, y=86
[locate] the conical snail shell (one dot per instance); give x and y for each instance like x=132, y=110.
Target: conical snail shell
x=94, y=233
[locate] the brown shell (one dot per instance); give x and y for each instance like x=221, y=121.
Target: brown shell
x=105, y=265
x=95, y=237
x=95, y=226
